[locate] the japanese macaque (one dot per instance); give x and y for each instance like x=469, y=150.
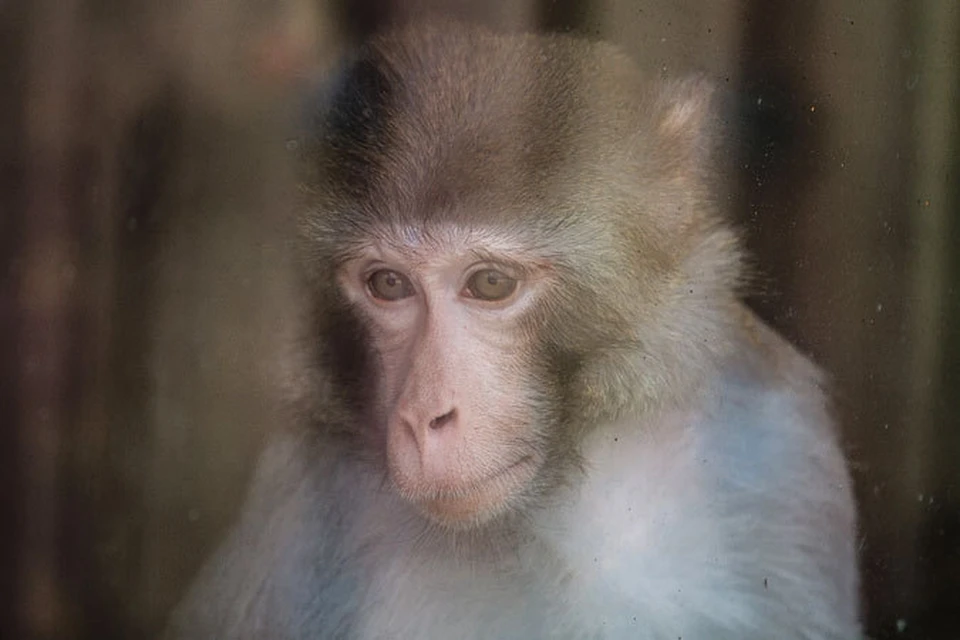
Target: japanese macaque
x=530, y=402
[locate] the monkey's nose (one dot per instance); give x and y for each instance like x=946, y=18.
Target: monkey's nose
x=440, y=421
x=430, y=435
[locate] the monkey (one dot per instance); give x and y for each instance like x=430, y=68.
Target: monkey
x=528, y=400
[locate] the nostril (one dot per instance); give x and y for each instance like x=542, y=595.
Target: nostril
x=440, y=421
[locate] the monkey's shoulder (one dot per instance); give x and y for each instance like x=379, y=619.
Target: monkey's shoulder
x=735, y=514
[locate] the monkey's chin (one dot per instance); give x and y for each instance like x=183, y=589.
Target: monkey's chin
x=481, y=502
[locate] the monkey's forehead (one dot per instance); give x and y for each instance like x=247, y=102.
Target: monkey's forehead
x=455, y=248
x=448, y=112
x=521, y=247
x=547, y=137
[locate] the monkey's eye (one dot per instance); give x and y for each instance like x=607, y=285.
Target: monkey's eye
x=389, y=285
x=490, y=284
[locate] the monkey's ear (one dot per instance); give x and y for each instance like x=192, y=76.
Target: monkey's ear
x=686, y=120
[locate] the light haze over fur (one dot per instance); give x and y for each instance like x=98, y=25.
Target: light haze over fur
x=678, y=474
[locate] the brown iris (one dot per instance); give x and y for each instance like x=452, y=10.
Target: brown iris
x=389, y=285
x=491, y=285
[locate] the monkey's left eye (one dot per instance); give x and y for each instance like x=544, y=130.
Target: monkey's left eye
x=491, y=285
x=389, y=285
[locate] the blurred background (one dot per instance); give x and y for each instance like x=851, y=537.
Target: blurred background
x=145, y=192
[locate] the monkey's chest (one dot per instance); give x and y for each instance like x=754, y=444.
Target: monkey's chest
x=604, y=588
x=412, y=597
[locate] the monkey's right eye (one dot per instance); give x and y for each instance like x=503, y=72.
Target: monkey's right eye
x=389, y=285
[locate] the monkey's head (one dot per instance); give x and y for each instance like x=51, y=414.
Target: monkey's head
x=509, y=240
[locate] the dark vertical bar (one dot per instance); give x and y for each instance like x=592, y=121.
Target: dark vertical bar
x=778, y=145
x=939, y=540
x=13, y=30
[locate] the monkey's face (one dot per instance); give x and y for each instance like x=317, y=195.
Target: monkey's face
x=455, y=400
x=523, y=249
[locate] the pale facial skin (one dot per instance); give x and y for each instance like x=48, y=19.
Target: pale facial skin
x=443, y=322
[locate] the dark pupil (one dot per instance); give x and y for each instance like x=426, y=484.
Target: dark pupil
x=492, y=279
x=390, y=280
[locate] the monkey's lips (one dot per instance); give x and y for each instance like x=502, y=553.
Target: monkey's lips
x=477, y=502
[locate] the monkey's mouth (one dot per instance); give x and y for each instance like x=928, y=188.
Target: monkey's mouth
x=480, y=501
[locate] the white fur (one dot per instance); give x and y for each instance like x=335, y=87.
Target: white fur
x=731, y=520
x=647, y=547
